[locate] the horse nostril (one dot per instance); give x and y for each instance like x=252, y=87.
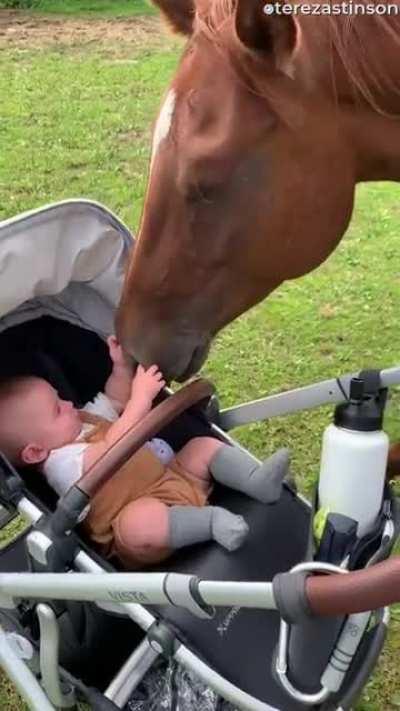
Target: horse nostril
x=178, y=354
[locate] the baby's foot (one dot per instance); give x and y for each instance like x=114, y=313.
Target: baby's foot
x=266, y=481
x=228, y=529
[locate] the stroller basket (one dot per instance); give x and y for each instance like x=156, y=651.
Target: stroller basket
x=255, y=625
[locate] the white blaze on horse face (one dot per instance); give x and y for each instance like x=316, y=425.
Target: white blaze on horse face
x=161, y=131
x=164, y=123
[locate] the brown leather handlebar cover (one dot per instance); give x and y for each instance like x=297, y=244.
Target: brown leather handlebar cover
x=393, y=467
x=360, y=591
x=136, y=436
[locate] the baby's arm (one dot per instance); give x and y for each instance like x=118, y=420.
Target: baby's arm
x=144, y=388
x=118, y=385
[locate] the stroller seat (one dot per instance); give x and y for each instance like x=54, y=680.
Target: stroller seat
x=238, y=644
x=63, y=353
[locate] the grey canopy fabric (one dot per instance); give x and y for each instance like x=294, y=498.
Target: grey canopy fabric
x=65, y=260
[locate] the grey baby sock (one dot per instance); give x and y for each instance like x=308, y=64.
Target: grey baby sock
x=238, y=470
x=194, y=524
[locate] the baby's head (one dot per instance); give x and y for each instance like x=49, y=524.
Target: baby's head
x=34, y=420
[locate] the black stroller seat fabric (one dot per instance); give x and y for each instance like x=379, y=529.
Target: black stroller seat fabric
x=72, y=359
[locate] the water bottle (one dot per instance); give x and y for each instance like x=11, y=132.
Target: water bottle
x=354, y=459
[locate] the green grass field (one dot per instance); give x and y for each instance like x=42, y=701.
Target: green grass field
x=75, y=120
x=86, y=8
x=90, y=8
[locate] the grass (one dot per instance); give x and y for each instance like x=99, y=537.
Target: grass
x=76, y=121
x=86, y=134
x=89, y=8
x=104, y=8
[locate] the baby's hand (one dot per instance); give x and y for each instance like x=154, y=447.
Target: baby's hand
x=116, y=353
x=147, y=383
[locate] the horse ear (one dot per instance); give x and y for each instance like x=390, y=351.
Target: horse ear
x=179, y=13
x=262, y=30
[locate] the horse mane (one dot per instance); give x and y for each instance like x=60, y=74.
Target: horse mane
x=344, y=34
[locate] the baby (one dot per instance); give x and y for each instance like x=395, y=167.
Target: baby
x=156, y=502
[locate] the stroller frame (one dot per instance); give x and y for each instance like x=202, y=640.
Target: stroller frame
x=125, y=593
x=55, y=548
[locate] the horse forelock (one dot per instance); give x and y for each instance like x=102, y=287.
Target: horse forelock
x=345, y=35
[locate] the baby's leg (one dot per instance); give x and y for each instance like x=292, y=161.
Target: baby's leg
x=196, y=524
x=196, y=455
x=236, y=468
x=147, y=531
x=141, y=533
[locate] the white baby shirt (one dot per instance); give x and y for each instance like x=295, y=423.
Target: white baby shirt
x=63, y=467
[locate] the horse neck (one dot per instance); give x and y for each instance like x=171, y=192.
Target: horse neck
x=372, y=122
x=376, y=143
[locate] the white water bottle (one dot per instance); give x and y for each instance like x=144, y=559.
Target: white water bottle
x=354, y=459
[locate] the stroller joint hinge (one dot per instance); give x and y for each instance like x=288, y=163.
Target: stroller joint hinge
x=51, y=551
x=162, y=639
x=183, y=591
x=39, y=545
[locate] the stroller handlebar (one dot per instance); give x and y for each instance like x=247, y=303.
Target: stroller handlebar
x=360, y=591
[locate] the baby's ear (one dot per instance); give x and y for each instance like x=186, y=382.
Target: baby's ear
x=33, y=454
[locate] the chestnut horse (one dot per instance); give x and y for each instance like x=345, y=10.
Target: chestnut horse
x=269, y=123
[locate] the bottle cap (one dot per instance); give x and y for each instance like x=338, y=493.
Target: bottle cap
x=362, y=413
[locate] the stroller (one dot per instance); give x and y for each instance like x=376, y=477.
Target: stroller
x=74, y=626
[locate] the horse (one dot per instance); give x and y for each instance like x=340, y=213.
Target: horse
x=270, y=121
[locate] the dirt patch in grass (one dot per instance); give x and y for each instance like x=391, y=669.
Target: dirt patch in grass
x=28, y=31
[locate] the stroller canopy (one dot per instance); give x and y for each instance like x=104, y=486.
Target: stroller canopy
x=64, y=260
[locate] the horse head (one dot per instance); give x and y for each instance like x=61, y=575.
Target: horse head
x=251, y=179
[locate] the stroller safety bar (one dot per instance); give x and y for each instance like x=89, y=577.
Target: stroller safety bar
x=138, y=588
x=295, y=595
x=328, y=392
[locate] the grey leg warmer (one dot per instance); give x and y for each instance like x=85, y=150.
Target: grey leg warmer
x=194, y=524
x=238, y=470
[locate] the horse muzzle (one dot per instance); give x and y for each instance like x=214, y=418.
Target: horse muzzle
x=178, y=355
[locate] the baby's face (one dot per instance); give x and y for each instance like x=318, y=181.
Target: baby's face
x=47, y=420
